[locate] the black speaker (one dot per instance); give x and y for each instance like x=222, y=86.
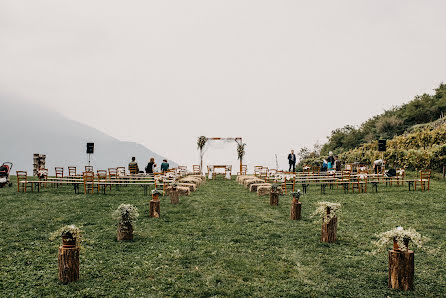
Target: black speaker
x=382, y=145
x=90, y=148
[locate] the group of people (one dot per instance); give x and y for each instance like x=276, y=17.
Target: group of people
x=331, y=163
x=150, y=168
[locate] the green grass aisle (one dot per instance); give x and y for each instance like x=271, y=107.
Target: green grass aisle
x=221, y=240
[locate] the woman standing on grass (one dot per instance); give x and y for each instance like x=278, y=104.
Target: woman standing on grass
x=150, y=166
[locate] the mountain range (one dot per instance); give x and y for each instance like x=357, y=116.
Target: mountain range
x=29, y=128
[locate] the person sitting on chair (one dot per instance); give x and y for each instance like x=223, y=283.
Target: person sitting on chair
x=133, y=166
x=164, y=166
x=292, y=161
x=150, y=166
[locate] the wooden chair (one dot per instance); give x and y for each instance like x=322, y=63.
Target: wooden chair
x=43, y=176
x=88, y=182
x=425, y=177
x=196, y=169
x=400, y=175
x=59, y=172
x=361, y=183
x=306, y=170
x=133, y=169
x=257, y=170
x=102, y=177
x=345, y=179
x=89, y=169
x=244, y=170
x=348, y=167
x=316, y=170
x=112, y=173
x=120, y=171
x=72, y=171
x=22, y=181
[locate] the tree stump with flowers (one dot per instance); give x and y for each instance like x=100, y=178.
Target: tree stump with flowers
x=68, y=256
x=154, y=207
x=401, y=269
x=401, y=259
x=329, y=229
x=126, y=215
x=274, y=196
x=296, y=206
x=328, y=212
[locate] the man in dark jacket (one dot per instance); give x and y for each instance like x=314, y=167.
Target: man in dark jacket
x=292, y=161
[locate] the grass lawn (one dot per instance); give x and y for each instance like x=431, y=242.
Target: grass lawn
x=219, y=241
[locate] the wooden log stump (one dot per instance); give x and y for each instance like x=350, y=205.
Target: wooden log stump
x=296, y=209
x=274, y=198
x=401, y=269
x=125, y=231
x=174, y=196
x=68, y=261
x=329, y=230
x=154, y=209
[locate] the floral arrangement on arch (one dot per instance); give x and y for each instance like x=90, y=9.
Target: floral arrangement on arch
x=241, y=150
x=321, y=210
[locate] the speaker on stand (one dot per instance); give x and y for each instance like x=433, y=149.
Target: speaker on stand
x=90, y=151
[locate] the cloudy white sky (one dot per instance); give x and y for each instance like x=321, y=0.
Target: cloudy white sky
x=280, y=74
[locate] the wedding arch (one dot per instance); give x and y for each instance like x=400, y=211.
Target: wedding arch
x=202, y=141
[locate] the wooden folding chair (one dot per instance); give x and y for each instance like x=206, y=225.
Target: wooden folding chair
x=88, y=182
x=89, y=169
x=22, y=181
x=425, y=177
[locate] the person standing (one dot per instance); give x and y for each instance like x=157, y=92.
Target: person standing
x=292, y=161
x=150, y=166
x=330, y=161
x=378, y=166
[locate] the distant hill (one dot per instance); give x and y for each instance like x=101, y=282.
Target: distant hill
x=29, y=128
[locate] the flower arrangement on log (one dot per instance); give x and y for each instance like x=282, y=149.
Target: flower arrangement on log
x=71, y=235
x=156, y=193
x=296, y=195
x=327, y=210
x=274, y=187
x=126, y=214
x=400, y=238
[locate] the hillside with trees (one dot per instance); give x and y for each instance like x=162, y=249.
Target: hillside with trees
x=416, y=134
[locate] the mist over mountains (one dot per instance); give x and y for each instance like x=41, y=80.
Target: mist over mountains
x=28, y=128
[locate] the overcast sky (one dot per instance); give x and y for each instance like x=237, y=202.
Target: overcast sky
x=280, y=74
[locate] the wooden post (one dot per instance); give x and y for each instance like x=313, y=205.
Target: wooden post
x=68, y=260
x=296, y=209
x=274, y=198
x=174, y=195
x=154, y=210
x=125, y=231
x=329, y=229
x=401, y=269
